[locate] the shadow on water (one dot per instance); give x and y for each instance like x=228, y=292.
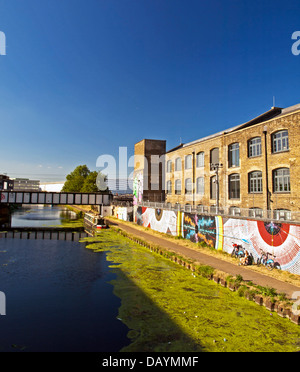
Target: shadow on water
x=63, y=297
x=151, y=328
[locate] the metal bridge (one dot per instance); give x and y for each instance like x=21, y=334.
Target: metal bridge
x=55, y=198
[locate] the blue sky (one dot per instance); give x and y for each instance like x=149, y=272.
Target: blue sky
x=81, y=78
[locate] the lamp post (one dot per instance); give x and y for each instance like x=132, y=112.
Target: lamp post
x=216, y=167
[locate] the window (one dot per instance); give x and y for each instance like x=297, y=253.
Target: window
x=169, y=187
x=213, y=187
x=214, y=157
x=178, y=164
x=188, y=162
x=169, y=166
x=233, y=155
x=178, y=187
x=280, y=141
x=255, y=182
x=281, y=180
x=235, y=211
x=188, y=186
x=254, y=147
x=282, y=214
x=255, y=212
x=200, y=185
x=200, y=159
x=234, y=186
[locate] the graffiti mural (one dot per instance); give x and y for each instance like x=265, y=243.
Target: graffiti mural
x=138, y=188
x=157, y=219
x=199, y=228
x=279, y=239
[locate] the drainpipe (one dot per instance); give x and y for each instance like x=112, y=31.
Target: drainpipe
x=266, y=170
x=194, y=174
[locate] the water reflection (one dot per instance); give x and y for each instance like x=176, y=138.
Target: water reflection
x=58, y=293
x=40, y=216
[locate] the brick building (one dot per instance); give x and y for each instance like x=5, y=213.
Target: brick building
x=148, y=182
x=254, y=165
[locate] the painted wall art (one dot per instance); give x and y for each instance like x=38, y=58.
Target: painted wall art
x=280, y=240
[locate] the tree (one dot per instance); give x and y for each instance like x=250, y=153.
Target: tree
x=81, y=180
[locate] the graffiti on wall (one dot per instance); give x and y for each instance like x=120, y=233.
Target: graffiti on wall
x=280, y=239
x=138, y=187
x=157, y=219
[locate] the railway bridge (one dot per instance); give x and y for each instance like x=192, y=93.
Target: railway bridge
x=55, y=198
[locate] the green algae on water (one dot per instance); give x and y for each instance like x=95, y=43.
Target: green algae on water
x=168, y=308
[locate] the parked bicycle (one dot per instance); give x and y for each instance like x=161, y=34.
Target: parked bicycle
x=238, y=250
x=266, y=261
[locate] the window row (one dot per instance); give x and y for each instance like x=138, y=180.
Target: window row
x=281, y=183
x=280, y=142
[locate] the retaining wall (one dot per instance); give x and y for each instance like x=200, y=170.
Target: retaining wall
x=279, y=239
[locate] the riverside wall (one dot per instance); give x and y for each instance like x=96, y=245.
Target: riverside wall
x=219, y=232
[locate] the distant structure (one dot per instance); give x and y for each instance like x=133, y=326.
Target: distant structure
x=51, y=186
x=6, y=183
x=25, y=184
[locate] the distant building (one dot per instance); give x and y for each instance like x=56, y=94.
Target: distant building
x=25, y=184
x=6, y=183
x=148, y=179
x=51, y=186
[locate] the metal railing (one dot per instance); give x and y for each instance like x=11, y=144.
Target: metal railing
x=280, y=215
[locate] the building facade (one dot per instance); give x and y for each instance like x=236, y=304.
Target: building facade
x=25, y=184
x=254, y=165
x=6, y=183
x=149, y=164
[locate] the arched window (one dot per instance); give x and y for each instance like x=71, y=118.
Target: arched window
x=214, y=157
x=188, y=186
x=169, y=166
x=280, y=141
x=200, y=185
x=255, y=182
x=178, y=187
x=188, y=162
x=254, y=147
x=169, y=187
x=281, y=180
x=234, y=186
x=234, y=155
x=200, y=159
x=178, y=164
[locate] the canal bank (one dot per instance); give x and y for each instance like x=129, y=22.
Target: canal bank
x=224, y=266
x=170, y=309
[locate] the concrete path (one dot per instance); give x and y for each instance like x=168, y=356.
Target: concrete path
x=217, y=263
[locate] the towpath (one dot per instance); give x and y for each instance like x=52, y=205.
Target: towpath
x=206, y=259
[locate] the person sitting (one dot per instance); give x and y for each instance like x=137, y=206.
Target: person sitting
x=246, y=260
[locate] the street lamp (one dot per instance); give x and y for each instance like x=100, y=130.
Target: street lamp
x=216, y=167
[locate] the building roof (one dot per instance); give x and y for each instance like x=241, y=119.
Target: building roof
x=270, y=114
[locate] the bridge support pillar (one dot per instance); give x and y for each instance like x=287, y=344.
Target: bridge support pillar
x=5, y=216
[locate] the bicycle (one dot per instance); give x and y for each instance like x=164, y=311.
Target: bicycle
x=266, y=261
x=238, y=250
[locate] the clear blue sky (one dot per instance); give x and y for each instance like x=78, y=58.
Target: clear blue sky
x=82, y=77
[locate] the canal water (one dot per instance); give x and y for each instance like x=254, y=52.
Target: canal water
x=110, y=294
x=58, y=294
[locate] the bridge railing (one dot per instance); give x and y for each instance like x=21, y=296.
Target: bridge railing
x=54, y=198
